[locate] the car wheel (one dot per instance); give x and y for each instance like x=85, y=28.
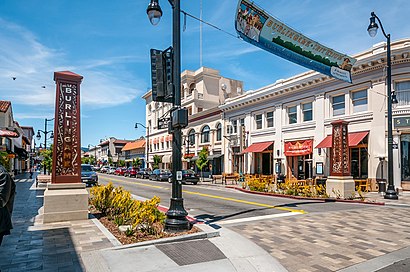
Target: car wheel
x=194, y=183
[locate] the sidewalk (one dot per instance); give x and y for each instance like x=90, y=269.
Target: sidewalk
x=85, y=245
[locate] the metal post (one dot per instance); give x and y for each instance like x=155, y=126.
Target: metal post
x=176, y=215
x=45, y=141
x=148, y=147
x=391, y=192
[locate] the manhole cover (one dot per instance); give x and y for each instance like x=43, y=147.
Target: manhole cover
x=192, y=252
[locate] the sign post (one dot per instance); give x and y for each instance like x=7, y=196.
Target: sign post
x=66, y=198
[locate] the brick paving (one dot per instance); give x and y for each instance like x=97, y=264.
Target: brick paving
x=331, y=241
x=35, y=246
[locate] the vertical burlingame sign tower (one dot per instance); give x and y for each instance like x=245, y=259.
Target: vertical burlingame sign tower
x=67, y=143
x=340, y=183
x=340, y=159
x=66, y=198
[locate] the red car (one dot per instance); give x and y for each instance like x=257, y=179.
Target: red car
x=131, y=172
x=120, y=171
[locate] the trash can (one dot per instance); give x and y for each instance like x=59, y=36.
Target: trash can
x=382, y=187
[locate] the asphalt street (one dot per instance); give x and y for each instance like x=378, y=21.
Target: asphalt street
x=216, y=204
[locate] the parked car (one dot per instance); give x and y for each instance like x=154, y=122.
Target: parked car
x=120, y=171
x=111, y=170
x=187, y=176
x=104, y=169
x=160, y=175
x=88, y=176
x=143, y=173
x=131, y=172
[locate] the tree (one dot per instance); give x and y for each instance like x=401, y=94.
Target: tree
x=157, y=161
x=85, y=160
x=121, y=163
x=4, y=160
x=202, y=160
x=48, y=158
x=109, y=161
x=136, y=162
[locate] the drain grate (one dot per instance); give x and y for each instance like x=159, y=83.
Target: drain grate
x=192, y=252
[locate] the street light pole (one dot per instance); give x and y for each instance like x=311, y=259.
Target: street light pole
x=147, y=142
x=45, y=132
x=372, y=29
x=176, y=215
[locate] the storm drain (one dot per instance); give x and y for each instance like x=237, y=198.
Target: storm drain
x=192, y=252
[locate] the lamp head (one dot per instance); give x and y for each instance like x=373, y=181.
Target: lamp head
x=136, y=125
x=38, y=135
x=154, y=12
x=372, y=28
x=52, y=135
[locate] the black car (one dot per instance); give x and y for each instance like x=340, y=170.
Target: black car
x=188, y=176
x=88, y=176
x=160, y=175
x=143, y=173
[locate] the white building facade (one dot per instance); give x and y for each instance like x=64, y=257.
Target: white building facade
x=284, y=128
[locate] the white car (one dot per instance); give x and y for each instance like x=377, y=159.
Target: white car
x=111, y=170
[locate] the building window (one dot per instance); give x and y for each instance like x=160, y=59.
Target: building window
x=235, y=126
x=359, y=100
x=191, y=137
x=403, y=93
x=205, y=134
x=229, y=129
x=258, y=121
x=292, y=115
x=307, y=112
x=200, y=109
x=338, y=105
x=242, y=122
x=269, y=119
x=359, y=162
x=219, y=132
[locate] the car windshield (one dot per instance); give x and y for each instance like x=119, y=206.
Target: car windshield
x=188, y=171
x=86, y=168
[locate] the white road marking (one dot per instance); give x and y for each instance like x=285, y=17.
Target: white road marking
x=255, y=218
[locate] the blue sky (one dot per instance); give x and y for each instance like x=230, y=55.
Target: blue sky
x=108, y=42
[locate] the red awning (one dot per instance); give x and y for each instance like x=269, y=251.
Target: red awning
x=325, y=143
x=8, y=133
x=258, y=147
x=354, y=139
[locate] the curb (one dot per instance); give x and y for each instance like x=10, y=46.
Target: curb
x=306, y=198
x=207, y=232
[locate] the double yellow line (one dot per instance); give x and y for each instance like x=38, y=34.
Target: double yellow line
x=217, y=197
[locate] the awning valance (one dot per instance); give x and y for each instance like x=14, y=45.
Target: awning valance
x=215, y=156
x=298, y=148
x=8, y=133
x=258, y=147
x=354, y=139
x=167, y=158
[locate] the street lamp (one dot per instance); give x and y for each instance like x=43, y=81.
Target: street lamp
x=95, y=153
x=45, y=132
x=176, y=216
x=391, y=98
x=147, y=142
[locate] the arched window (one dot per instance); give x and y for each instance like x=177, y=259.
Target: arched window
x=191, y=88
x=219, y=132
x=191, y=137
x=205, y=134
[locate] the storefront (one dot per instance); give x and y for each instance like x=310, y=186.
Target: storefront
x=262, y=157
x=299, y=159
x=359, y=155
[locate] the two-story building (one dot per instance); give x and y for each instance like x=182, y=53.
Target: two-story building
x=112, y=148
x=135, y=150
x=286, y=127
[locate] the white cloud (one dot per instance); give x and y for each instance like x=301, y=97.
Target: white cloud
x=106, y=82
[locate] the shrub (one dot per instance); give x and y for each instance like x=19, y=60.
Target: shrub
x=257, y=185
x=101, y=197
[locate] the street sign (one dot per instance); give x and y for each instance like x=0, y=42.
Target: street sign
x=395, y=146
x=163, y=122
x=179, y=175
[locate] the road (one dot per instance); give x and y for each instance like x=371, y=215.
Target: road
x=217, y=204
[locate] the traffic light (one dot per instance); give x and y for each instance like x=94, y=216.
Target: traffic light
x=161, y=75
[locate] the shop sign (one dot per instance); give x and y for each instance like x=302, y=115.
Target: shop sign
x=298, y=148
x=257, y=27
x=402, y=122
